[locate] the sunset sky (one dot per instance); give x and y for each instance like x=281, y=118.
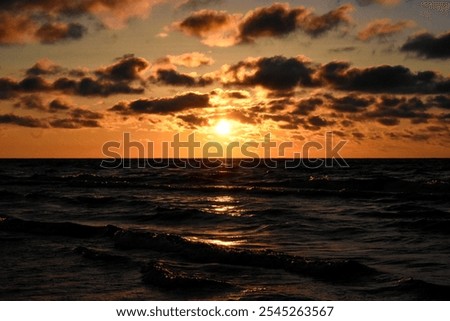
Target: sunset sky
x=77, y=74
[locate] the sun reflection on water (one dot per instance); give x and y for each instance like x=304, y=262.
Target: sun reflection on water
x=225, y=205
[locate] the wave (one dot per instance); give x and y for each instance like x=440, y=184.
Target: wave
x=158, y=274
x=411, y=289
x=200, y=252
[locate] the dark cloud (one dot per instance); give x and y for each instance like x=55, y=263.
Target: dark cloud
x=73, y=123
x=23, y=121
x=383, y=28
x=172, y=77
x=350, y=103
x=318, y=25
x=388, y=121
x=79, y=113
x=219, y=28
x=31, y=102
x=51, y=21
x=364, y=3
x=440, y=101
x=93, y=87
x=275, y=73
x=44, y=67
x=274, y=21
x=385, y=78
x=317, y=122
x=203, y=22
x=51, y=33
x=193, y=121
x=127, y=68
x=306, y=106
x=163, y=105
x=428, y=46
x=357, y=135
x=343, y=49
x=389, y=110
x=57, y=105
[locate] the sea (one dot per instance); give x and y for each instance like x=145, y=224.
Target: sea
x=75, y=229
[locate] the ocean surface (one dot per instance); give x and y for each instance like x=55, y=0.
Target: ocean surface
x=377, y=230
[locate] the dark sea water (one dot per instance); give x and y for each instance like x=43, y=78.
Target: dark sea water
x=378, y=230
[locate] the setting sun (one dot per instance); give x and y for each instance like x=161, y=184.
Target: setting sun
x=223, y=127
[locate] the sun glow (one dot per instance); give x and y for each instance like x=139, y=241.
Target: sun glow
x=223, y=127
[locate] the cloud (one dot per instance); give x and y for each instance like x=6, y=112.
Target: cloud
x=21, y=29
x=51, y=33
x=115, y=79
x=343, y=49
x=73, y=123
x=390, y=109
x=31, y=102
x=306, y=106
x=163, y=105
x=57, y=105
x=383, y=28
x=191, y=59
x=440, y=101
x=276, y=73
x=127, y=68
x=196, y=4
x=219, y=28
x=382, y=79
x=44, y=67
x=23, y=121
x=214, y=28
x=171, y=77
x=317, y=122
x=350, y=103
x=193, y=121
x=428, y=46
x=93, y=87
x=364, y=3
x=51, y=21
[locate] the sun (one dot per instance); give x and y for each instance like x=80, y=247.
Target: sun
x=223, y=127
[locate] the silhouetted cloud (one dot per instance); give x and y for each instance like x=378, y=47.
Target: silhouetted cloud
x=57, y=105
x=23, y=121
x=308, y=105
x=317, y=122
x=426, y=45
x=383, y=28
x=275, y=73
x=44, y=67
x=207, y=25
x=93, y=87
x=382, y=2
x=73, y=123
x=51, y=33
x=172, y=77
x=51, y=21
x=31, y=102
x=390, y=109
x=219, y=28
x=350, y=103
x=127, y=68
x=343, y=49
x=163, y=105
x=385, y=78
x=193, y=121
